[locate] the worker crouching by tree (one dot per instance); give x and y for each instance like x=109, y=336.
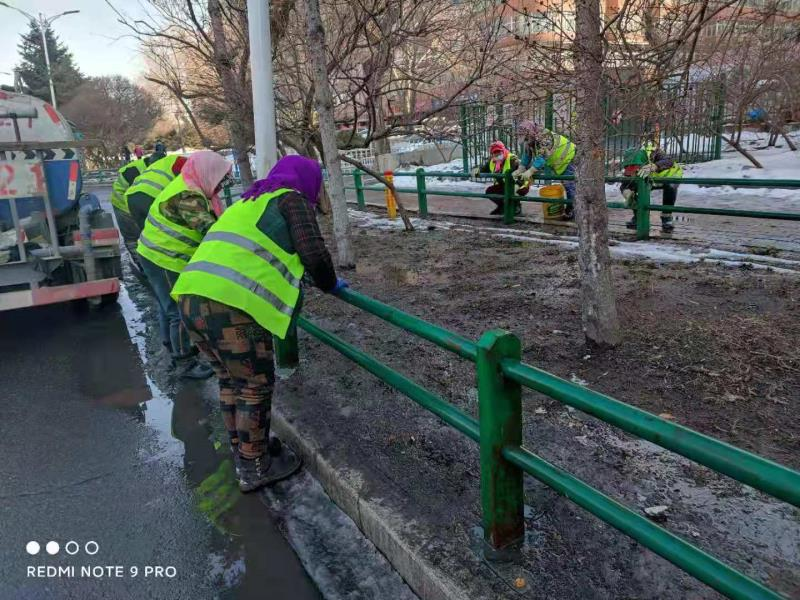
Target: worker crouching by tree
x=548, y=153
x=501, y=160
x=649, y=161
x=177, y=221
x=242, y=287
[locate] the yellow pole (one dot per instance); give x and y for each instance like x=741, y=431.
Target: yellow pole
x=391, y=205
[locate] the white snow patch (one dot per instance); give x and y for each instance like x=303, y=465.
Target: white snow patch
x=653, y=251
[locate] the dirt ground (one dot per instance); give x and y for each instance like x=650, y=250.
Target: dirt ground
x=713, y=347
x=716, y=348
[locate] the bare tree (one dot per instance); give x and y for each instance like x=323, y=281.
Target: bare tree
x=327, y=128
x=115, y=110
x=598, y=309
x=201, y=54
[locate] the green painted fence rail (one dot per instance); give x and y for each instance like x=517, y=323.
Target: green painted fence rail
x=504, y=460
x=643, y=192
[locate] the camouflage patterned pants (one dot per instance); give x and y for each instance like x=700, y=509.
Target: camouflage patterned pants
x=240, y=352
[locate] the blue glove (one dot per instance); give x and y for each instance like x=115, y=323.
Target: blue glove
x=340, y=285
x=538, y=162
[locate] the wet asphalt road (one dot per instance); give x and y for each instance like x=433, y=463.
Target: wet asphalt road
x=95, y=449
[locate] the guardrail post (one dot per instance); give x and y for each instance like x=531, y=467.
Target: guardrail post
x=359, y=185
x=464, y=138
x=549, y=111
x=422, y=193
x=388, y=194
x=719, y=120
x=500, y=412
x=508, y=203
x=286, y=352
x=642, y=209
x=226, y=193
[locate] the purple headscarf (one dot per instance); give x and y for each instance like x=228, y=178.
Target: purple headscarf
x=295, y=172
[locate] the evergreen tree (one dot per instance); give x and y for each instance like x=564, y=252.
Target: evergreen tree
x=33, y=68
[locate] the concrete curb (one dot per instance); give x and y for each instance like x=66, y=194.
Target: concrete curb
x=377, y=523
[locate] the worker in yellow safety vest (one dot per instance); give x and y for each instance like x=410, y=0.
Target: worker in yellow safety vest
x=126, y=175
x=178, y=219
x=501, y=160
x=149, y=184
x=650, y=161
x=548, y=153
x=241, y=288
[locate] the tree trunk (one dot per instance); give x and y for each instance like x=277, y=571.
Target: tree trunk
x=327, y=128
x=599, y=309
x=239, y=116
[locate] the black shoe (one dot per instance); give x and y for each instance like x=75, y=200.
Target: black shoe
x=497, y=211
x=631, y=224
x=667, y=226
x=569, y=215
x=194, y=369
x=518, y=210
x=254, y=473
x=237, y=459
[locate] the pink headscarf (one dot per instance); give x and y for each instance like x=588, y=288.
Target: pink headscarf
x=203, y=171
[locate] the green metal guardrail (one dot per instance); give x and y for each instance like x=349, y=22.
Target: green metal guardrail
x=643, y=189
x=504, y=460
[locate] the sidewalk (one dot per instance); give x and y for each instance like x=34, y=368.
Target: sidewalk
x=728, y=233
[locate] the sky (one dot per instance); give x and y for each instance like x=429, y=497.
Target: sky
x=95, y=38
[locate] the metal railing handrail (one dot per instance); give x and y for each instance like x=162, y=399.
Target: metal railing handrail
x=501, y=374
x=643, y=188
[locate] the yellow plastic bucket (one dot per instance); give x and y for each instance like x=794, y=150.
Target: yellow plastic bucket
x=552, y=211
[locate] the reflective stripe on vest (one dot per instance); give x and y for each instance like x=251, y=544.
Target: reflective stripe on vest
x=562, y=154
x=674, y=171
x=162, y=242
x=120, y=186
x=155, y=177
x=506, y=164
x=240, y=266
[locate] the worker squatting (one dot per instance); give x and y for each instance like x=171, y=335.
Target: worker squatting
x=546, y=153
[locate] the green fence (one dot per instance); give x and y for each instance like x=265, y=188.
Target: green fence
x=504, y=459
x=688, y=122
x=643, y=191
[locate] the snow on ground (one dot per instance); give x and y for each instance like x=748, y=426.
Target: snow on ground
x=652, y=251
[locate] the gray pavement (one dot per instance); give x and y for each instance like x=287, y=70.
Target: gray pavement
x=86, y=459
x=102, y=443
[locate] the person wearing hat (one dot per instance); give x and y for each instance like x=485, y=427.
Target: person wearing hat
x=550, y=152
x=241, y=288
x=501, y=160
x=650, y=162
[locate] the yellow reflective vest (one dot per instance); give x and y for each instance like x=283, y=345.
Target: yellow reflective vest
x=120, y=185
x=162, y=242
x=240, y=266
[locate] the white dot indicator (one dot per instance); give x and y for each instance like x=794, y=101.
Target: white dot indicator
x=71, y=547
x=52, y=548
x=32, y=547
x=94, y=545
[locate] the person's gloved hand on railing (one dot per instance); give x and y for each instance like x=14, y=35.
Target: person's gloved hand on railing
x=647, y=170
x=539, y=163
x=340, y=285
x=476, y=172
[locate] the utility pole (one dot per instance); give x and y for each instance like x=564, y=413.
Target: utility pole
x=263, y=94
x=44, y=24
